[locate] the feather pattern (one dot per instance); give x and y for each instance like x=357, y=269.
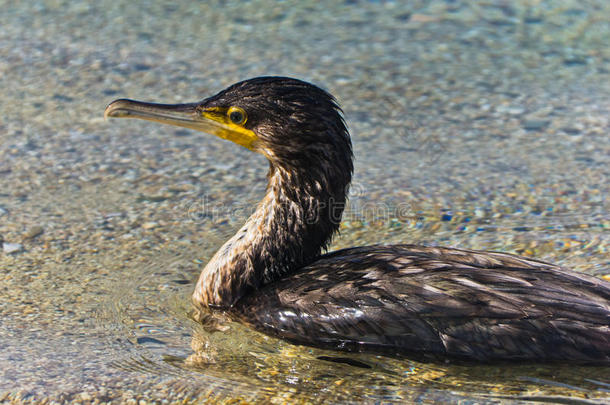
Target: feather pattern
x=438, y=302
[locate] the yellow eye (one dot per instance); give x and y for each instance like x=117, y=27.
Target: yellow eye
x=237, y=115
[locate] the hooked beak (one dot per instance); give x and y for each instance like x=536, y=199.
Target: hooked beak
x=211, y=121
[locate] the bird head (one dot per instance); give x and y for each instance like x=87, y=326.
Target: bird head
x=296, y=125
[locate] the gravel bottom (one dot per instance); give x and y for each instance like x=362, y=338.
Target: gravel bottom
x=474, y=125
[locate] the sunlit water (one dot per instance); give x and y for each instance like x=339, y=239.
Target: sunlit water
x=479, y=126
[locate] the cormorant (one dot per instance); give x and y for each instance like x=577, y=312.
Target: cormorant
x=428, y=302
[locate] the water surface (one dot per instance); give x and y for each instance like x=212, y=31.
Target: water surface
x=474, y=125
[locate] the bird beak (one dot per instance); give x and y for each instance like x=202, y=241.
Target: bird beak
x=213, y=121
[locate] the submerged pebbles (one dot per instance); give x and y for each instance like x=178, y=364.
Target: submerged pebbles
x=475, y=124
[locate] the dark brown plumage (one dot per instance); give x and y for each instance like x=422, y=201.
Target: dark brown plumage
x=437, y=302
x=410, y=300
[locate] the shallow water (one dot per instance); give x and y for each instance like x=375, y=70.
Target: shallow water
x=480, y=126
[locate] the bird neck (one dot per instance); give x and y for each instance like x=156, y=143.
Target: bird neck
x=296, y=219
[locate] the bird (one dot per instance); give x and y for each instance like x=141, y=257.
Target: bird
x=425, y=302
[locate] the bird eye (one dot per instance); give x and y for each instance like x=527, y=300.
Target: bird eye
x=237, y=115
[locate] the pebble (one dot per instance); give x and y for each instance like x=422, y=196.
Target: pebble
x=510, y=110
x=575, y=61
x=535, y=125
x=180, y=188
x=149, y=225
x=154, y=197
x=10, y=248
x=571, y=130
x=33, y=232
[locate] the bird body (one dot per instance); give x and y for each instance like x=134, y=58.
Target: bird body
x=428, y=302
x=434, y=303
